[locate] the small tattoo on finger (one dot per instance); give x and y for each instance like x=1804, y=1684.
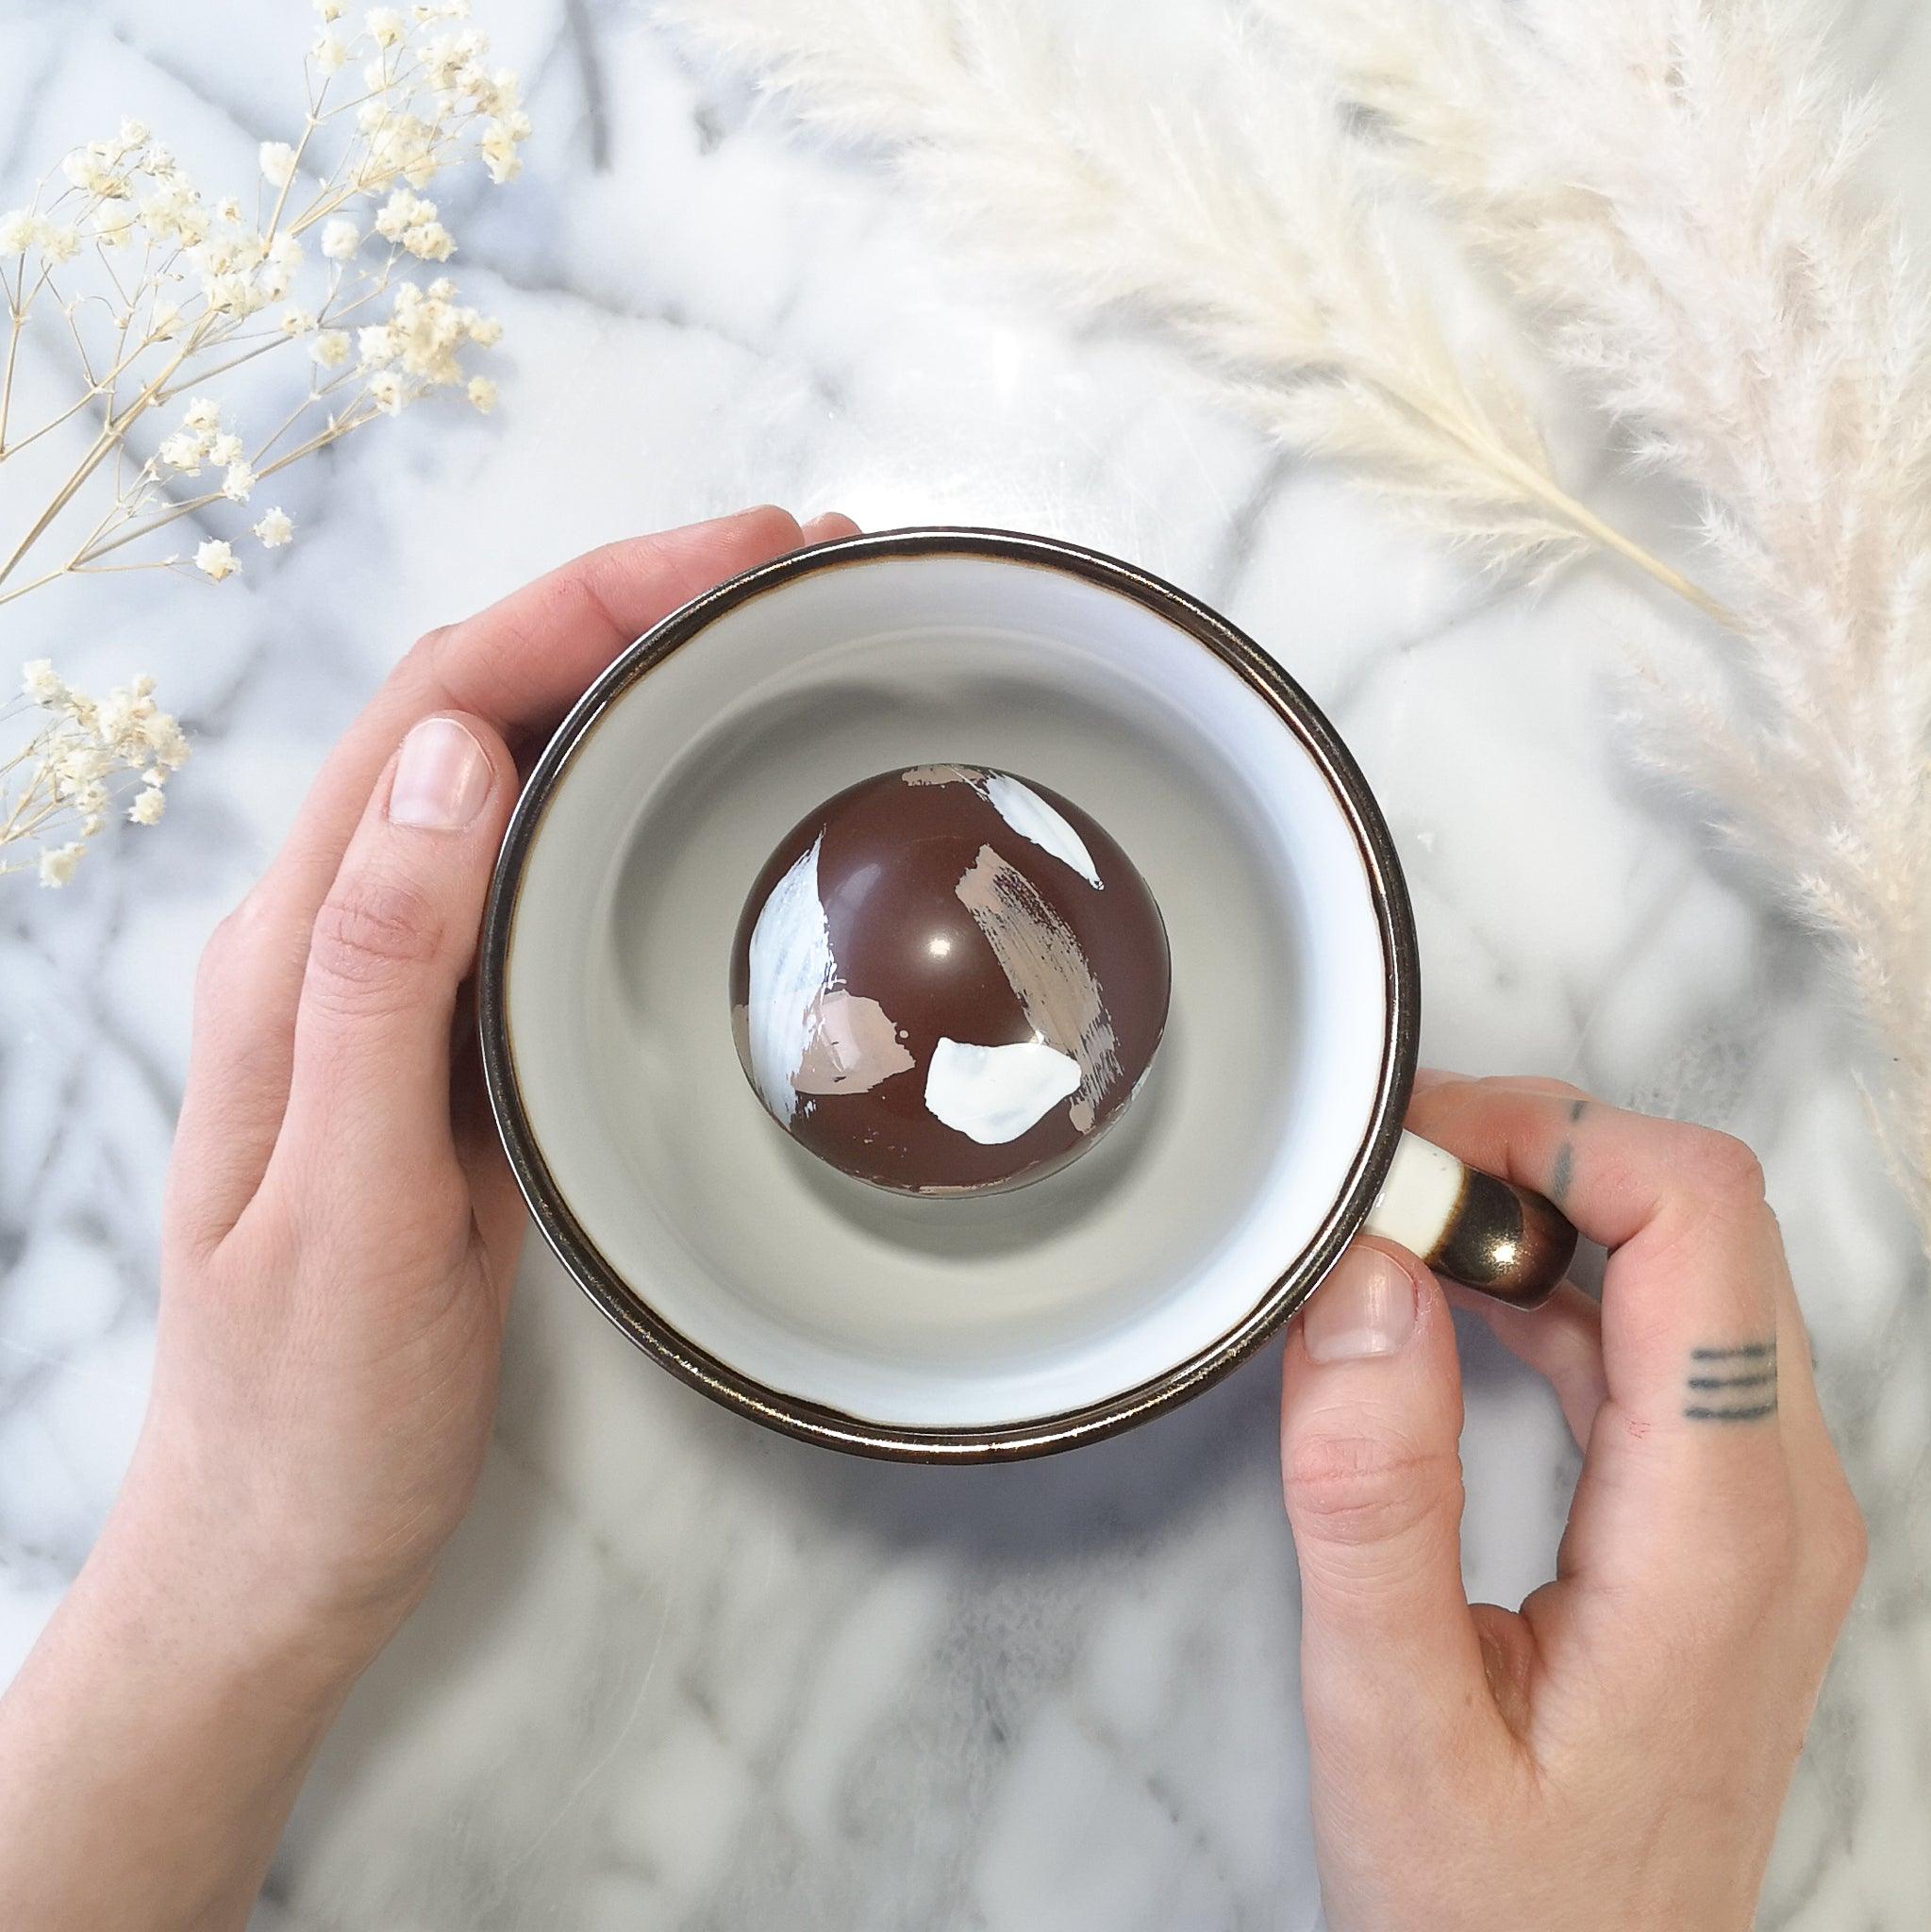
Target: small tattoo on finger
x=1733, y=1384
x=1563, y=1173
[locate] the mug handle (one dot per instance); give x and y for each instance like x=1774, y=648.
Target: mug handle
x=1482, y=1231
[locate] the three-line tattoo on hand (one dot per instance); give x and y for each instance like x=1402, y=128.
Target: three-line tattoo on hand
x=1732, y=1385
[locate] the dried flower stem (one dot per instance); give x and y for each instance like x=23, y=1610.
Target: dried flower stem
x=189, y=312
x=1697, y=241
x=429, y=103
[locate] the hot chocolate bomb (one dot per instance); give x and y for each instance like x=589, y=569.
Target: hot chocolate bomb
x=948, y=980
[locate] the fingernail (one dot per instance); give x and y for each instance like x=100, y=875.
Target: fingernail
x=832, y=524
x=442, y=778
x=1365, y=1308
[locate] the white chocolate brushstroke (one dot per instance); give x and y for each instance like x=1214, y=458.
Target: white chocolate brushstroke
x=1048, y=971
x=792, y=969
x=1031, y=817
x=992, y=1094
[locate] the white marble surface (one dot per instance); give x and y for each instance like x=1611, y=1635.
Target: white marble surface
x=680, y=1674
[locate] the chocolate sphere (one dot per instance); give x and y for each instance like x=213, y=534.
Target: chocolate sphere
x=948, y=980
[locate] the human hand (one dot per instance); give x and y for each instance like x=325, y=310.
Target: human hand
x=1614, y=1755
x=342, y=1231
x=340, y=1234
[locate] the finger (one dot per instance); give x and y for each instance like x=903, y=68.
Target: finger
x=1795, y=1384
x=1693, y=1248
x=1816, y=1476
x=369, y=1096
x=1371, y=1416
x=1692, y=1457
x=516, y=666
x=1427, y=1079
x=231, y=1108
x=523, y=661
x=828, y=527
x=497, y=1202
x=1561, y=1341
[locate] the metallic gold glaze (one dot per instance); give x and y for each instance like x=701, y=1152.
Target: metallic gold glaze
x=1505, y=1241
x=1038, y=955
x=940, y=775
x=854, y=1046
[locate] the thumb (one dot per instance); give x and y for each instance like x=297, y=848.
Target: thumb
x=1371, y=1413
x=392, y=942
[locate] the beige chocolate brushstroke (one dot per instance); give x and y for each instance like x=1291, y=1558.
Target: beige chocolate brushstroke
x=854, y=1046
x=1047, y=971
x=939, y=775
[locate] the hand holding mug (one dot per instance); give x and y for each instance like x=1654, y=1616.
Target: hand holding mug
x=1614, y=1755
x=340, y=1236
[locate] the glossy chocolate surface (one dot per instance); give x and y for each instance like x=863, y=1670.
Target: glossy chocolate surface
x=948, y=979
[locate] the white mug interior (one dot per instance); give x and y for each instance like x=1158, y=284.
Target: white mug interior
x=949, y=1315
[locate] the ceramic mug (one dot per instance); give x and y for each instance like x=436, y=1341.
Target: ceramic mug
x=1268, y=1134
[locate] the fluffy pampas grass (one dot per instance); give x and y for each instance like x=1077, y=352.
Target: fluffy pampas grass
x=1241, y=222
x=1697, y=240
x=1673, y=191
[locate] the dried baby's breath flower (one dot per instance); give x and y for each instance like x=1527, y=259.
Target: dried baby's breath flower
x=80, y=757
x=58, y=866
x=482, y=395
x=37, y=682
x=275, y=529
x=179, y=285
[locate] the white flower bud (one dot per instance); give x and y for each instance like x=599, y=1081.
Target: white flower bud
x=57, y=867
